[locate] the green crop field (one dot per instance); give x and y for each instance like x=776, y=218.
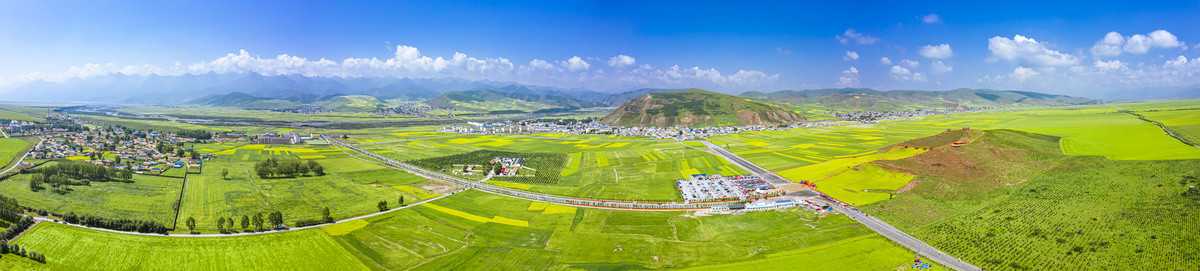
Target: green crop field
x=1184, y=122
x=1105, y=133
x=10, y=116
x=831, y=168
x=11, y=148
x=643, y=170
x=475, y=230
x=147, y=197
x=865, y=184
x=351, y=187
x=1013, y=192
x=86, y=249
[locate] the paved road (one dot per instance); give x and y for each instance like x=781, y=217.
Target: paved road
x=50, y=220
x=763, y=173
x=885, y=229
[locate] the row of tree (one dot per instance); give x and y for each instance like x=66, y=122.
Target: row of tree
x=225, y=225
x=79, y=170
x=197, y=134
x=16, y=228
x=15, y=249
x=273, y=167
x=11, y=211
x=121, y=224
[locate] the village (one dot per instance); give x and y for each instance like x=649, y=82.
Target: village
x=142, y=152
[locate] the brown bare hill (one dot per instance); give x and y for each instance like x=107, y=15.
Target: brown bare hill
x=697, y=108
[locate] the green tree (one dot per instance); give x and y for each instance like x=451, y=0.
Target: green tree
x=229, y=223
x=258, y=222
x=401, y=201
x=383, y=205
x=245, y=222
x=224, y=173
x=318, y=170
x=328, y=217
x=191, y=223
x=221, y=225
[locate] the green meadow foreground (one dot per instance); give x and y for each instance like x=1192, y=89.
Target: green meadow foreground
x=475, y=230
x=1060, y=188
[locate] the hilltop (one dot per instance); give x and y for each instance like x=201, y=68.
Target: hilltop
x=695, y=107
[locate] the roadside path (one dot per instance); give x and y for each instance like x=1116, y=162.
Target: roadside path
x=50, y=220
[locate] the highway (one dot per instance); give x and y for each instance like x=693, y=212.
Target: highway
x=883, y=228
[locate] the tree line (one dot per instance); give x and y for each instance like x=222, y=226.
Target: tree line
x=226, y=225
x=79, y=170
x=10, y=210
x=121, y=224
x=273, y=167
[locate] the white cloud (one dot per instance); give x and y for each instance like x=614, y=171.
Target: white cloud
x=849, y=78
x=1022, y=73
x=1113, y=43
x=1112, y=65
x=911, y=64
x=939, y=68
x=575, y=64
x=620, y=61
x=409, y=62
x=885, y=61
x=941, y=51
x=783, y=51
x=931, y=18
x=850, y=56
x=1109, y=46
x=540, y=64
x=851, y=36
x=1027, y=52
x=1140, y=44
x=902, y=74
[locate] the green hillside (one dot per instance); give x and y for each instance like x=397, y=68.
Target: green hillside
x=491, y=100
x=351, y=103
x=695, y=107
x=244, y=101
x=815, y=102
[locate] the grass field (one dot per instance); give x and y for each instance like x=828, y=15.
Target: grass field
x=351, y=187
x=148, y=197
x=1106, y=133
x=822, y=171
x=71, y=248
x=10, y=148
x=1184, y=122
x=475, y=230
x=10, y=115
x=865, y=184
x=1013, y=192
x=643, y=170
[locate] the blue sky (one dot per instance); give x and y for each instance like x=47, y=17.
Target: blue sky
x=623, y=45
